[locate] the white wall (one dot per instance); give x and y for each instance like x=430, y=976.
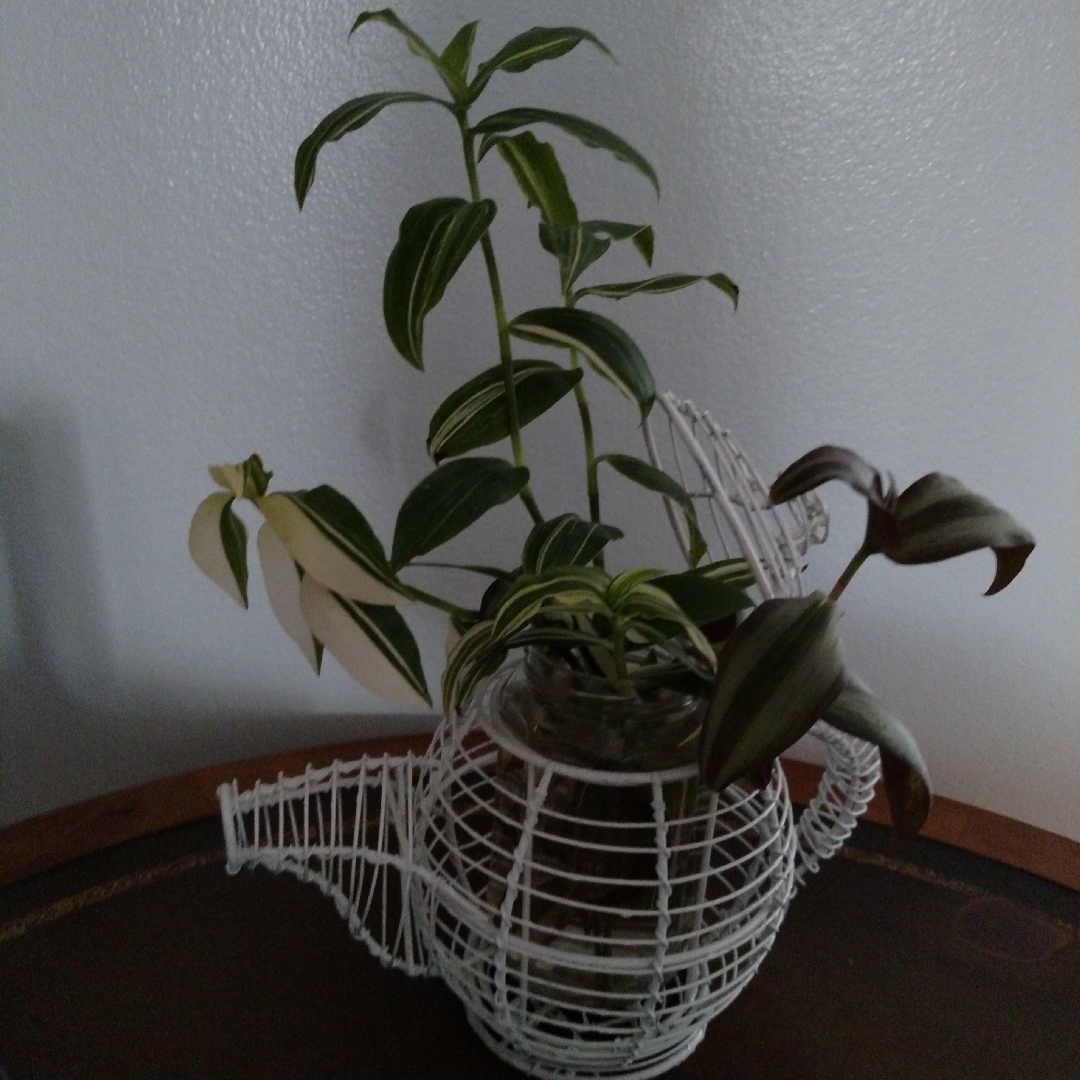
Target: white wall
x=893, y=185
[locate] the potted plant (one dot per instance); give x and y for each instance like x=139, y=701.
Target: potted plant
x=644, y=669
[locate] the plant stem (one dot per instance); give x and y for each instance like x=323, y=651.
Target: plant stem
x=842, y=582
x=505, y=355
x=591, y=483
x=618, y=649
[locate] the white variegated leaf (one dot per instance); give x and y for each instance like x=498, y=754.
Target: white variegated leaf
x=372, y=644
x=215, y=533
x=282, y=580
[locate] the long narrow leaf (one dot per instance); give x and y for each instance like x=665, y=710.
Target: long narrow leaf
x=434, y=240
x=455, y=58
x=537, y=172
x=372, y=643
x=704, y=599
x=345, y=118
x=282, y=577
x=578, y=588
x=778, y=673
x=217, y=542
x=661, y=283
x=531, y=47
x=566, y=540
x=449, y=500
x=907, y=780
x=584, y=131
x=577, y=247
x=476, y=414
x=611, y=352
x=476, y=653
x=329, y=537
x=448, y=72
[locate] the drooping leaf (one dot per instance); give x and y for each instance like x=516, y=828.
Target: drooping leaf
x=777, y=673
x=611, y=352
x=282, y=577
x=329, y=537
x=531, y=47
x=568, y=588
x=632, y=595
x=476, y=655
x=456, y=56
x=246, y=480
x=434, y=240
x=450, y=75
x=495, y=572
x=565, y=540
x=217, y=542
x=585, y=131
x=662, y=283
x=449, y=500
x=537, y=172
x=704, y=599
x=476, y=414
x=372, y=643
x=345, y=118
x=907, y=781
x=648, y=476
x=939, y=518
x=577, y=247
x=825, y=463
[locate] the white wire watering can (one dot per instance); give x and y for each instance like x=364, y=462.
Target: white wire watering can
x=581, y=943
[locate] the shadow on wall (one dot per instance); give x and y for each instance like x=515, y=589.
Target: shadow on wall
x=70, y=726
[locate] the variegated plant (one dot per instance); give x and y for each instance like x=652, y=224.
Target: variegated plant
x=332, y=585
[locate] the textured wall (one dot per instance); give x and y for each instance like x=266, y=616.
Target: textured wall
x=893, y=186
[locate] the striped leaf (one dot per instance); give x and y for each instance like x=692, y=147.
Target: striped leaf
x=733, y=572
x=662, y=283
x=939, y=518
x=825, y=463
x=246, y=480
x=566, y=540
x=348, y=117
x=476, y=655
x=333, y=542
x=476, y=414
x=531, y=47
x=435, y=238
x=449, y=500
x=653, y=479
x=622, y=585
x=907, y=780
x=611, y=352
x=567, y=588
x=455, y=58
x=537, y=173
x=217, y=542
x=371, y=642
x=704, y=599
x=633, y=596
x=282, y=577
x=777, y=673
x=577, y=247
x=585, y=131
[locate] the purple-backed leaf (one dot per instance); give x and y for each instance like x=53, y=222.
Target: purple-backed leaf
x=823, y=464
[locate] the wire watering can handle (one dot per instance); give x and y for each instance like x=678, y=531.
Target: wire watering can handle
x=852, y=768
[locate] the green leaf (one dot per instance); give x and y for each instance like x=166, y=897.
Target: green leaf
x=348, y=117
x=476, y=414
x=566, y=588
x=825, y=463
x=634, y=595
x=907, y=781
x=648, y=476
x=609, y=349
x=778, y=673
x=537, y=172
x=704, y=599
x=531, y=47
x=577, y=247
x=434, y=240
x=662, y=283
x=476, y=655
x=566, y=540
x=371, y=642
x=217, y=542
x=329, y=537
x=939, y=518
x=584, y=131
x=282, y=577
x=733, y=572
x=449, y=500
x=416, y=43
x=456, y=56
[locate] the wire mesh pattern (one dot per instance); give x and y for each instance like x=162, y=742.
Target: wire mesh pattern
x=591, y=922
